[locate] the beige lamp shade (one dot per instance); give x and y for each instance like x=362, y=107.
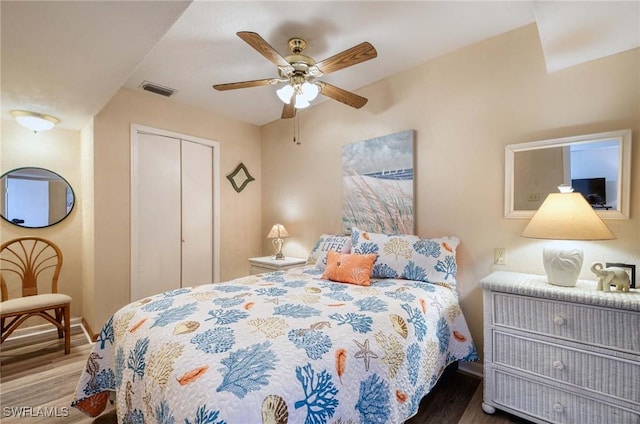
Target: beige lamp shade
x=567, y=216
x=561, y=217
x=278, y=231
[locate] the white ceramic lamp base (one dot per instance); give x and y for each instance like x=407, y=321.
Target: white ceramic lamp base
x=562, y=262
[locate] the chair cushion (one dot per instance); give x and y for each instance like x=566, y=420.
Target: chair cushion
x=40, y=301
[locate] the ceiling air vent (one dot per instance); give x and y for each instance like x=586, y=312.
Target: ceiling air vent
x=158, y=89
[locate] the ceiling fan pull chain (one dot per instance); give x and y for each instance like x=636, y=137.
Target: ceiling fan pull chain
x=296, y=130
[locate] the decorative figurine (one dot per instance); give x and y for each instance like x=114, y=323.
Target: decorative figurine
x=611, y=276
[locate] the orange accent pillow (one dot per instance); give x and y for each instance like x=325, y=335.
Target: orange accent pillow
x=349, y=268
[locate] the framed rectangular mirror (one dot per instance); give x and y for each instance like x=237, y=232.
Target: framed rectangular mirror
x=597, y=165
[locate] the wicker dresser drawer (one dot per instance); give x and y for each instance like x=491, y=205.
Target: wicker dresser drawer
x=560, y=354
x=552, y=404
x=595, y=371
x=583, y=323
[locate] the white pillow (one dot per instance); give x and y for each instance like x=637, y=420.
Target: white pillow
x=326, y=242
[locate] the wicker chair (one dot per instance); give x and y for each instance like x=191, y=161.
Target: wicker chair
x=23, y=261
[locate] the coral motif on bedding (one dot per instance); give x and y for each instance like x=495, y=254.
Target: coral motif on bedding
x=409, y=257
x=358, y=354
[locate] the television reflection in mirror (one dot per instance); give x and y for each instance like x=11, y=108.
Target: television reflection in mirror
x=594, y=190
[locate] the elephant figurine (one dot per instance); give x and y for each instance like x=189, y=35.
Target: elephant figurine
x=611, y=276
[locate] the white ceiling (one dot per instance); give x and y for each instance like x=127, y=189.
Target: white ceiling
x=68, y=58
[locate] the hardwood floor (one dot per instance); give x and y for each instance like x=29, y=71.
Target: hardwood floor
x=35, y=373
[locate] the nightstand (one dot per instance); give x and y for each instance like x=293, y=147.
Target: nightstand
x=560, y=354
x=269, y=264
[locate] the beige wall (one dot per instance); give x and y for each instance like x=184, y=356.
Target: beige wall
x=465, y=108
x=537, y=172
x=240, y=218
x=59, y=151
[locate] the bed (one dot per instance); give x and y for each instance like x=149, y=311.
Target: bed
x=283, y=347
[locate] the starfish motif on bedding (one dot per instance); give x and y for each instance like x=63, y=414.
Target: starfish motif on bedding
x=365, y=353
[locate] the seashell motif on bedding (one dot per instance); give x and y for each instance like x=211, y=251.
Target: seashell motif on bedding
x=274, y=410
x=400, y=325
x=186, y=327
x=289, y=348
x=313, y=289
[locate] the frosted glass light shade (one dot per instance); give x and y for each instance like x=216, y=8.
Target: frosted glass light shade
x=35, y=121
x=309, y=91
x=301, y=102
x=284, y=93
x=565, y=216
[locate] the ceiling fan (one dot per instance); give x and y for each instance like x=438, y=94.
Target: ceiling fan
x=300, y=72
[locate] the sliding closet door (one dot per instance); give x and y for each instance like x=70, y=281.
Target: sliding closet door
x=156, y=228
x=174, y=212
x=197, y=214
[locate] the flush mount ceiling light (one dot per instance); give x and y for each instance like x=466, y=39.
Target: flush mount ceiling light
x=34, y=121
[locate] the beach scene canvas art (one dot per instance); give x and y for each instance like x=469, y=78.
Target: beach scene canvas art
x=378, y=191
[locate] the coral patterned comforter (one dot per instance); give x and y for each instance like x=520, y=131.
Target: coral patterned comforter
x=283, y=347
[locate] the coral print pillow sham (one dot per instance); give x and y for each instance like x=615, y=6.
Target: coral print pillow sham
x=409, y=257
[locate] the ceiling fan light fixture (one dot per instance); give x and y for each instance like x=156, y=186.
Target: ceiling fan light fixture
x=285, y=93
x=309, y=91
x=301, y=102
x=34, y=121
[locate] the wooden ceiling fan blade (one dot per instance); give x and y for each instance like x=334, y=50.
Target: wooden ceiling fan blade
x=245, y=84
x=357, y=54
x=343, y=96
x=264, y=48
x=289, y=109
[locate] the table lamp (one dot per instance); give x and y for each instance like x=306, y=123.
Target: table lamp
x=561, y=217
x=277, y=233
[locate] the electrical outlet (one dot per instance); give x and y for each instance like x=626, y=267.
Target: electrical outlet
x=500, y=256
x=534, y=197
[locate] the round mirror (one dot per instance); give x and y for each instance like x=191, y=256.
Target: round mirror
x=35, y=197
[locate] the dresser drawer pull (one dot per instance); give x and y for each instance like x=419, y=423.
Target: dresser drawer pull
x=559, y=320
x=557, y=407
x=558, y=365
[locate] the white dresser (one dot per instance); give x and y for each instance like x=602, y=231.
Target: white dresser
x=269, y=264
x=560, y=354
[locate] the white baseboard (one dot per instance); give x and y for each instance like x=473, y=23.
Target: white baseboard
x=37, y=330
x=473, y=368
